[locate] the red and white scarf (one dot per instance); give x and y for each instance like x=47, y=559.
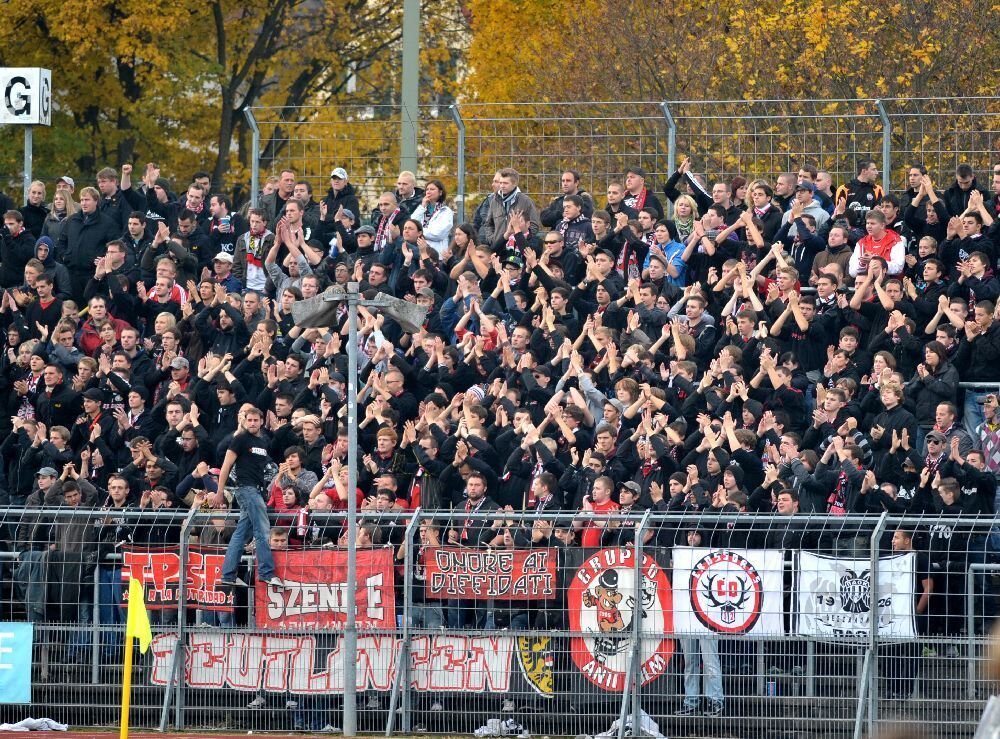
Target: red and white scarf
x=382, y=234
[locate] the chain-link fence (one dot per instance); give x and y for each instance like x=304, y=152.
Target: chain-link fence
x=561, y=623
x=466, y=144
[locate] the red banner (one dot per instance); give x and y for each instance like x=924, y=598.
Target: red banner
x=314, y=591
x=159, y=569
x=481, y=574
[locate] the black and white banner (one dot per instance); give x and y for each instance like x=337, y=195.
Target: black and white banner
x=835, y=596
x=727, y=591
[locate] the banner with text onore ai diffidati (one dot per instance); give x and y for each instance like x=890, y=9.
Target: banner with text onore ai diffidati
x=314, y=591
x=835, y=596
x=728, y=591
x=483, y=574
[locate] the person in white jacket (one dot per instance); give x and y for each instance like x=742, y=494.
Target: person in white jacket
x=436, y=218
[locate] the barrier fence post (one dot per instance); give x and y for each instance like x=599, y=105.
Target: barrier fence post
x=95, y=628
x=180, y=651
x=456, y=115
x=254, y=155
x=401, y=680
x=886, y=146
x=873, y=625
x=637, y=613
x=671, y=144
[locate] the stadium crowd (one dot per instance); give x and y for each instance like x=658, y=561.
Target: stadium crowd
x=789, y=347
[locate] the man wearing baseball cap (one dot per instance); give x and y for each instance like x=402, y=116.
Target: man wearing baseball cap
x=340, y=195
x=222, y=272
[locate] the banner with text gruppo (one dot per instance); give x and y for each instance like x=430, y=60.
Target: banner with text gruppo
x=478, y=574
x=159, y=569
x=314, y=591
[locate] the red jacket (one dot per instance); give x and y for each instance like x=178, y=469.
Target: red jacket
x=89, y=339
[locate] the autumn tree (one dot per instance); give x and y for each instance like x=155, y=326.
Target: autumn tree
x=170, y=82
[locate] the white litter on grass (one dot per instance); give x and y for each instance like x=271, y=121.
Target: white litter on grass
x=503, y=727
x=647, y=726
x=35, y=724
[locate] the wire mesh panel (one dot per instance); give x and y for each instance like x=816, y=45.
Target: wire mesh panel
x=942, y=133
x=560, y=623
x=362, y=139
x=765, y=138
x=541, y=140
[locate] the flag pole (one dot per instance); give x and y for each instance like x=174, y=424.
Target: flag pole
x=126, y=686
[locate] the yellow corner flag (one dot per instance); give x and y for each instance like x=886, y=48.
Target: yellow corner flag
x=136, y=627
x=137, y=623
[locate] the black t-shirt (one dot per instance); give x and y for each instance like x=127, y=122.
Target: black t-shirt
x=252, y=460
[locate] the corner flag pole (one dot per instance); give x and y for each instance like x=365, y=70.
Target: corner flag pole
x=136, y=626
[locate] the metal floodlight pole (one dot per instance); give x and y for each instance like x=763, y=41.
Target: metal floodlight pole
x=254, y=156
x=29, y=135
x=410, y=93
x=456, y=114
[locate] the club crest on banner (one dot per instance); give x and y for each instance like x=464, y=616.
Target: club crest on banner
x=856, y=592
x=602, y=602
x=726, y=592
x=535, y=657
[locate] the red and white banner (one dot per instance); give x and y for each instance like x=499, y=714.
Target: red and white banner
x=728, y=591
x=314, y=665
x=480, y=574
x=159, y=569
x=314, y=591
x=602, y=603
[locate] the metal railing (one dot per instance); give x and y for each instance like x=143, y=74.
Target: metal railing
x=466, y=143
x=550, y=641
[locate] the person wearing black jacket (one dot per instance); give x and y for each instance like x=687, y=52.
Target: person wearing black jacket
x=340, y=195
x=35, y=211
x=569, y=183
x=222, y=326
x=637, y=195
x=983, y=349
x=58, y=404
x=84, y=238
x=956, y=197
x=17, y=246
x=925, y=213
x=114, y=532
x=474, y=533
x=860, y=194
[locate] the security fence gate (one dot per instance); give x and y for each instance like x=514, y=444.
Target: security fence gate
x=463, y=145
x=805, y=626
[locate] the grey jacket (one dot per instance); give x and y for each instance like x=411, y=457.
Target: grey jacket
x=492, y=232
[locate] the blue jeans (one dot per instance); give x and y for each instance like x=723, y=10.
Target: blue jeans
x=32, y=576
x=110, y=611
x=972, y=411
x=253, y=522
x=79, y=640
x=222, y=619
x=426, y=616
x=701, y=658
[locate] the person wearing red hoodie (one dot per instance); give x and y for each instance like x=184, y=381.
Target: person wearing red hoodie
x=89, y=336
x=880, y=242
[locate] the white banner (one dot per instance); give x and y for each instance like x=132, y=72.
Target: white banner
x=27, y=96
x=727, y=591
x=834, y=596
